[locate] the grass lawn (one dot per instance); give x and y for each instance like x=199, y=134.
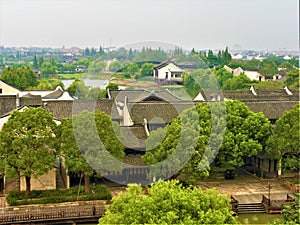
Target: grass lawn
x=71, y=76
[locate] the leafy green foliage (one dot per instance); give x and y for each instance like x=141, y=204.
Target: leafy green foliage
x=149, y=55
x=81, y=91
x=222, y=76
x=291, y=214
x=48, y=69
x=252, y=64
x=169, y=203
x=246, y=134
x=284, y=143
x=199, y=132
x=21, y=78
x=268, y=68
x=239, y=82
x=292, y=78
x=28, y=144
x=115, y=66
x=85, y=140
x=187, y=137
x=15, y=198
x=96, y=67
x=199, y=79
x=147, y=69
x=112, y=86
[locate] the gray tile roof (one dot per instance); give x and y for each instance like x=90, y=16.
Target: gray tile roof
x=134, y=137
x=271, y=109
x=154, y=112
x=65, y=109
x=141, y=95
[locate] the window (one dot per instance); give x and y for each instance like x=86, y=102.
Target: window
x=0, y=90
x=166, y=75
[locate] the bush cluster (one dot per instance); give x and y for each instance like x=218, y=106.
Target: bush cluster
x=15, y=198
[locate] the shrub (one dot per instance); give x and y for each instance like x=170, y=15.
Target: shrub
x=100, y=192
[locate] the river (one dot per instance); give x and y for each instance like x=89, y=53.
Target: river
x=88, y=82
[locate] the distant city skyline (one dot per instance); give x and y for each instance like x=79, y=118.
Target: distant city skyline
x=199, y=24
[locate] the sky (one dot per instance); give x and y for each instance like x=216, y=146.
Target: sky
x=199, y=24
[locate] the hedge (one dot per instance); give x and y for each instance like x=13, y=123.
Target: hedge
x=15, y=198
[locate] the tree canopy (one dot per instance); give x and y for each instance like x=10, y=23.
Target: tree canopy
x=21, y=78
x=48, y=69
x=284, y=145
x=168, y=202
x=81, y=91
x=28, y=144
x=202, y=134
x=84, y=139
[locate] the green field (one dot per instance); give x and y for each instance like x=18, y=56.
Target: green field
x=71, y=76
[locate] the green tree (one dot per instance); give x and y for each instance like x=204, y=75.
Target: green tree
x=132, y=68
x=187, y=137
x=222, y=76
x=149, y=55
x=78, y=89
x=284, y=145
x=237, y=83
x=147, y=69
x=28, y=144
x=292, y=78
x=35, y=63
x=112, y=86
x=295, y=62
x=41, y=61
x=48, y=69
x=245, y=136
x=268, y=68
x=80, y=144
x=96, y=67
x=168, y=202
x=211, y=60
x=287, y=66
x=115, y=66
x=21, y=78
x=199, y=79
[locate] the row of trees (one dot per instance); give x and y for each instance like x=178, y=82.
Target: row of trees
x=31, y=142
x=24, y=78
x=244, y=134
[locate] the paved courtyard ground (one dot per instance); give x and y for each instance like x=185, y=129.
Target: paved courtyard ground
x=247, y=188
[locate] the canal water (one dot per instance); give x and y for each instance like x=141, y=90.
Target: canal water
x=88, y=82
x=253, y=218
x=258, y=218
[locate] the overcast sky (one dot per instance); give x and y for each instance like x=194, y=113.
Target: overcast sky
x=203, y=24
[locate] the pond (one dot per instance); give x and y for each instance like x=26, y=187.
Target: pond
x=258, y=218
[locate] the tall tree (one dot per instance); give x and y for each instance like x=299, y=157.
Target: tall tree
x=284, y=145
x=35, y=63
x=28, y=144
x=84, y=148
x=245, y=136
x=168, y=202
